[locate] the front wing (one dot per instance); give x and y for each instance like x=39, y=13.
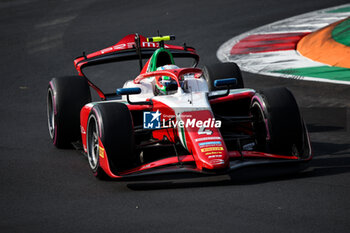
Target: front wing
x=186, y=164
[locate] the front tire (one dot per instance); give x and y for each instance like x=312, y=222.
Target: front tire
x=111, y=124
x=278, y=125
x=65, y=98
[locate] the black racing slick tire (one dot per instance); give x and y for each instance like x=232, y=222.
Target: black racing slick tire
x=65, y=98
x=112, y=124
x=278, y=125
x=221, y=71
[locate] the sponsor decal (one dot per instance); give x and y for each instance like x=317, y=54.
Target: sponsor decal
x=207, y=139
x=217, y=161
x=214, y=156
x=213, y=153
x=182, y=115
x=131, y=45
x=150, y=44
x=151, y=120
x=101, y=152
x=213, y=143
x=210, y=122
x=212, y=149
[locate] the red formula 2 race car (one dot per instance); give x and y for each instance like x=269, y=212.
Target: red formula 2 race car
x=173, y=119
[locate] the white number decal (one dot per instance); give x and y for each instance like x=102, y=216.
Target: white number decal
x=202, y=131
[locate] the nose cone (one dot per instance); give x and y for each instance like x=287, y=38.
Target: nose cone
x=205, y=141
x=215, y=161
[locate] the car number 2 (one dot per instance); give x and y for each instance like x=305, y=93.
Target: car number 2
x=203, y=131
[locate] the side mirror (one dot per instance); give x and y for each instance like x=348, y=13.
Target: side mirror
x=128, y=91
x=132, y=91
x=225, y=82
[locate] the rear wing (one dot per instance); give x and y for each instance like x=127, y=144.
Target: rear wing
x=132, y=47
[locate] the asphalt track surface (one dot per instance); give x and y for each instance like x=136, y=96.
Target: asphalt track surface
x=48, y=190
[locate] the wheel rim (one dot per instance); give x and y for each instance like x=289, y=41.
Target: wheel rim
x=259, y=125
x=92, y=142
x=50, y=113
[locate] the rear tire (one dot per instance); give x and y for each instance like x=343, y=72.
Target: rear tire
x=221, y=71
x=278, y=125
x=112, y=124
x=65, y=98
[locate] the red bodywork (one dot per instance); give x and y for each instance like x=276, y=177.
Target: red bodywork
x=207, y=153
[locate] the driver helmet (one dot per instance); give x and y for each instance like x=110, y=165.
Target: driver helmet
x=164, y=81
